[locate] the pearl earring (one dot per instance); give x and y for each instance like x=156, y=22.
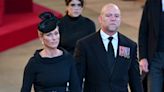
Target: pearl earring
x=42, y=42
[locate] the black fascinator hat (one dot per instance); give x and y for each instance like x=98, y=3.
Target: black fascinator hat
x=49, y=22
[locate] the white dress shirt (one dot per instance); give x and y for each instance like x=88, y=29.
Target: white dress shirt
x=105, y=40
x=162, y=5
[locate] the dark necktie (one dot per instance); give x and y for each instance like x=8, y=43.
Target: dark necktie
x=111, y=55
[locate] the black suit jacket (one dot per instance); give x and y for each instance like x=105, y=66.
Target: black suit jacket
x=92, y=65
x=149, y=29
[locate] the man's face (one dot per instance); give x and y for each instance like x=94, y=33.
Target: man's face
x=110, y=18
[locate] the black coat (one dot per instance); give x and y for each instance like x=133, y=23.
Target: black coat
x=50, y=74
x=91, y=58
x=149, y=29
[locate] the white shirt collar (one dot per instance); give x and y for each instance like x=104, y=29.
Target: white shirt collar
x=105, y=40
x=105, y=36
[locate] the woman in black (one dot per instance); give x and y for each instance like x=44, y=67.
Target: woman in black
x=50, y=68
x=74, y=26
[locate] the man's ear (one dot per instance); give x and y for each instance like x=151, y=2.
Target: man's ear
x=100, y=19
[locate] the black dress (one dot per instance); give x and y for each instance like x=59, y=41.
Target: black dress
x=72, y=29
x=50, y=74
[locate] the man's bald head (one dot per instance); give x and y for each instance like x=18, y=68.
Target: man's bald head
x=109, y=7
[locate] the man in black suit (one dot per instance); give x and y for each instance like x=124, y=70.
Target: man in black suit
x=102, y=71
x=151, y=45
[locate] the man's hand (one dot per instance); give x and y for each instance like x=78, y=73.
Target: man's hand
x=144, y=65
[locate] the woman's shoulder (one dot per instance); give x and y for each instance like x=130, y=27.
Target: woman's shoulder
x=67, y=55
x=63, y=18
x=34, y=58
x=87, y=19
x=65, y=52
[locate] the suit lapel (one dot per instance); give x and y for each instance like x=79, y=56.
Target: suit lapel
x=121, y=42
x=100, y=53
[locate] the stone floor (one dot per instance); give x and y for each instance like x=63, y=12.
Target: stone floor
x=12, y=61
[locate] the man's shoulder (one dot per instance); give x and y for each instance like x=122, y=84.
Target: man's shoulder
x=127, y=39
x=89, y=38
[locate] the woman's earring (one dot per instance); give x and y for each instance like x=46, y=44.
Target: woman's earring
x=42, y=42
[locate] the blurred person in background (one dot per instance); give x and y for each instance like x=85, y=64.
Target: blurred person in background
x=73, y=26
x=151, y=46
